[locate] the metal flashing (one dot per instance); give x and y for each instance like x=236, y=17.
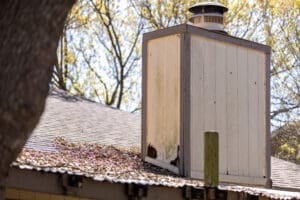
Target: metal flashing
x=48, y=182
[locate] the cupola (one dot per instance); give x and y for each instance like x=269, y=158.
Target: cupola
x=198, y=80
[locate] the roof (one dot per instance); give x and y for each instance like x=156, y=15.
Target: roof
x=78, y=136
x=285, y=174
x=81, y=120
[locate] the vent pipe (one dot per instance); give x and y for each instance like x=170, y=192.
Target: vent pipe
x=208, y=15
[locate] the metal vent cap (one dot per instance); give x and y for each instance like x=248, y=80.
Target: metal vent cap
x=208, y=15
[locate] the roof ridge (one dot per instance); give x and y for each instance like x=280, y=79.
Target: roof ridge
x=56, y=92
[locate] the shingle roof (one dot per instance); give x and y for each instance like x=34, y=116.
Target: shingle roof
x=285, y=174
x=86, y=125
x=81, y=120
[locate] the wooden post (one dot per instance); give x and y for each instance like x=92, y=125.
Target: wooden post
x=211, y=159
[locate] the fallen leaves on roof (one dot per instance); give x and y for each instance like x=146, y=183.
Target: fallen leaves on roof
x=108, y=163
x=101, y=162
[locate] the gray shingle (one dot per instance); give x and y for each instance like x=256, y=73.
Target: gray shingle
x=285, y=174
x=81, y=120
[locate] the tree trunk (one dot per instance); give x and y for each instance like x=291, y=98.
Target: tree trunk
x=29, y=33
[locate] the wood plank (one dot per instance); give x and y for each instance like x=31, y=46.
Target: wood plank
x=171, y=104
x=57, y=197
x=264, y=198
x=253, y=113
x=43, y=196
x=209, y=91
x=243, y=101
x=243, y=180
x=11, y=193
x=262, y=113
x=221, y=102
x=232, y=111
x=197, y=106
x=163, y=99
x=26, y=195
x=237, y=179
x=162, y=164
x=71, y=198
x=232, y=195
x=211, y=159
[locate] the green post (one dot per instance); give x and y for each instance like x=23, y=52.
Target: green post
x=211, y=159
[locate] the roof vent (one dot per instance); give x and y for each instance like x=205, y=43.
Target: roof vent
x=208, y=15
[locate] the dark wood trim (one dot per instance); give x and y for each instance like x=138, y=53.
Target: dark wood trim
x=268, y=118
x=185, y=99
x=227, y=38
x=178, y=29
x=144, y=98
x=34, y=181
x=183, y=28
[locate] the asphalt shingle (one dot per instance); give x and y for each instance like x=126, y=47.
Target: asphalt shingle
x=285, y=174
x=81, y=120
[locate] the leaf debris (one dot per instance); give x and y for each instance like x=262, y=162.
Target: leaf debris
x=95, y=160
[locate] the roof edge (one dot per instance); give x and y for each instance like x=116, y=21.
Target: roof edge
x=59, y=184
x=186, y=27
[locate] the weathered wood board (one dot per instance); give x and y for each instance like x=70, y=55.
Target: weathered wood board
x=229, y=93
x=163, y=101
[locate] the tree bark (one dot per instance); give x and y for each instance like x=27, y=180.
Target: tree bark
x=29, y=34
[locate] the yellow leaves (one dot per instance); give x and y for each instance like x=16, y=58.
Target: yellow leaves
x=276, y=7
x=144, y=12
x=70, y=58
x=279, y=7
x=77, y=15
x=101, y=7
x=297, y=4
x=287, y=149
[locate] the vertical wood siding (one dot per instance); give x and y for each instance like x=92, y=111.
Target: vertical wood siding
x=228, y=92
x=231, y=109
x=221, y=103
x=163, y=97
x=243, y=110
x=197, y=126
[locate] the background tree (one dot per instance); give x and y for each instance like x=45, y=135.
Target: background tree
x=76, y=19
x=103, y=56
x=159, y=14
x=282, y=30
x=29, y=34
x=286, y=142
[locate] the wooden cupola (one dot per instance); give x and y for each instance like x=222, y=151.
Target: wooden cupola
x=196, y=79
